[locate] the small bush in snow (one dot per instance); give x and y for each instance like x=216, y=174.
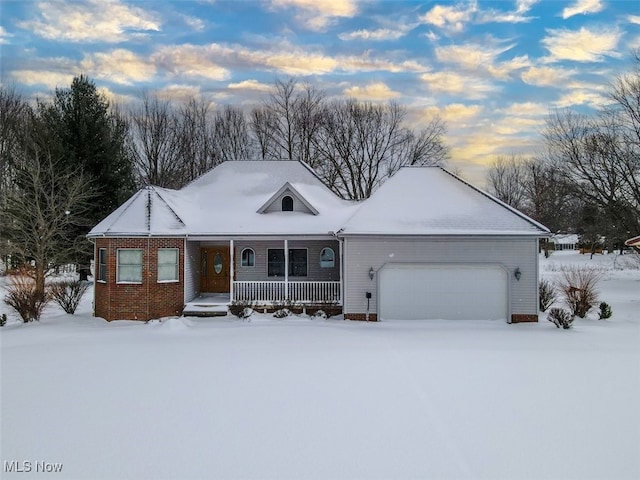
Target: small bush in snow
x=560, y=318
x=578, y=286
x=241, y=308
x=282, y=313
x=24, y=299
x=68, y=294
x=605, y=311
x=320, y=314
x=548, y=294
x=3, y=320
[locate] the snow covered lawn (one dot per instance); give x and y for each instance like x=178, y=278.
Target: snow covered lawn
x=328, y=399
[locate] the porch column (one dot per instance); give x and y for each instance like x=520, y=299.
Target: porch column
x=286, y=269
x=232, y=266
x=341, y=272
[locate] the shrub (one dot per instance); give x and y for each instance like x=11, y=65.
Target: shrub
x=24, y=299
x=3, y=320
x=282, y=313
x=578, y=285
x=68, y=294
x=548, y=294
x=241, y=308
x=560, y=318
x=605, y=311
x=320, y=314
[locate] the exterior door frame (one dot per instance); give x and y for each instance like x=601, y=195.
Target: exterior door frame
x=212, y=280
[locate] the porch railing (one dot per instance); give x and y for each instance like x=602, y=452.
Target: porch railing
x=299, y=292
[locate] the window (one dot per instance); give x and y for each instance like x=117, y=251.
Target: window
x=287, y=204
x=102, y=265
x=129, y=265
x=297, y=262
x=168, y=265
x=248, y=258
x=327, y=258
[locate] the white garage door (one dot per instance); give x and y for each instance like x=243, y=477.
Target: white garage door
x=414, y=291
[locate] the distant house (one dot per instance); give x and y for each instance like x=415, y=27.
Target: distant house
x=426, y=245
x=565, y=241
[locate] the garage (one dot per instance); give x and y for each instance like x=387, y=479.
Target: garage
x=427, y=291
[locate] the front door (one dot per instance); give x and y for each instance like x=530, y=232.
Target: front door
x=214, y=269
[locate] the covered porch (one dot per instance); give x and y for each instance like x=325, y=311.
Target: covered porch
x=263, y=271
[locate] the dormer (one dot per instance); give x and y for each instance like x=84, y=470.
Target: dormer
x=287, y=199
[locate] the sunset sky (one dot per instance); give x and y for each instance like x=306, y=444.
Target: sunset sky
x=492, y=70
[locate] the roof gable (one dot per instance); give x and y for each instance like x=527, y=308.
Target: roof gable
x=433, y=201
x=271, y=205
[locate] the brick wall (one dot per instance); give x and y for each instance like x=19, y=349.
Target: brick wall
x=148, y=299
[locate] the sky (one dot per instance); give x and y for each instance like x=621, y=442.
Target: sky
x=493, y=70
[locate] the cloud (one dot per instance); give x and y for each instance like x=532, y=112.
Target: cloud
x=195, y=23
x=523, y=6
x=190, y=61
x=582, y=7
x=250, y=85
x=4, y=35
x=378, y=91
x=453, y=83
x=634, y=19
x=452, y=18
x=482, y=57
x=119, y=66
x=90, y=21
x=50, y=79
x=454, y=113
x=376, y=35
x=583, y=45
x=318, y=15
x=546, y=76
x=581, y=97
x=528, y=109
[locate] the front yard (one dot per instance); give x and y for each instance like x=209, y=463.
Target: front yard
x=309, y=398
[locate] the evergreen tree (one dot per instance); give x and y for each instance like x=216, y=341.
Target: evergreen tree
x=91, y=140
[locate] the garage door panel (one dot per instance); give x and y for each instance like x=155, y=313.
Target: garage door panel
x=419, y=291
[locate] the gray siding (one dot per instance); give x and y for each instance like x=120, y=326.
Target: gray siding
x=361, y=254
x=298, y=206
x=191, y=271
x=259, y=272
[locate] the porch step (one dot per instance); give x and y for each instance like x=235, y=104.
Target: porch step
x=204, y=310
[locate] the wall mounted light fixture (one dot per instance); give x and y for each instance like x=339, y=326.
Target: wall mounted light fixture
x=371, y=273
x=517, y=274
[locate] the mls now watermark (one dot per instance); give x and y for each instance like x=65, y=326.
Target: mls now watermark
x=26, y=466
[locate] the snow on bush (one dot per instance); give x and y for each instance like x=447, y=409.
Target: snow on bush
x=548, y=294
x=68, y=294
x=320, y=314
x=605, y=311
x=24, y=299
x=560, y=318
x=578, y=286
x=282, y=313
x=241, y=308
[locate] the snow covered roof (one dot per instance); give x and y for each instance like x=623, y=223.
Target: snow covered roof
x=231, y=200
x=235, y=199
x=433, y=201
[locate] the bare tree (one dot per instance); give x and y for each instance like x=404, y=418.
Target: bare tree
x=232, y=140
x=154, y=142
x=48, y=202
x=262, y=120
x=506, y=179
x=194, y=132
x=360, y=145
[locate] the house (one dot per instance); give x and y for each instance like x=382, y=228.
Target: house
x=633, y=242
x=565, y=241
x=425, y=245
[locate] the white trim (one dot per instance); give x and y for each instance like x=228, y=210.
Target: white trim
x=286, y=269
x=177, y=264
x=118, y=282
x=293, y=192
x=242, y=257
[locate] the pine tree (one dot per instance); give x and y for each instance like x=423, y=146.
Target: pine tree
x=91, y=139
